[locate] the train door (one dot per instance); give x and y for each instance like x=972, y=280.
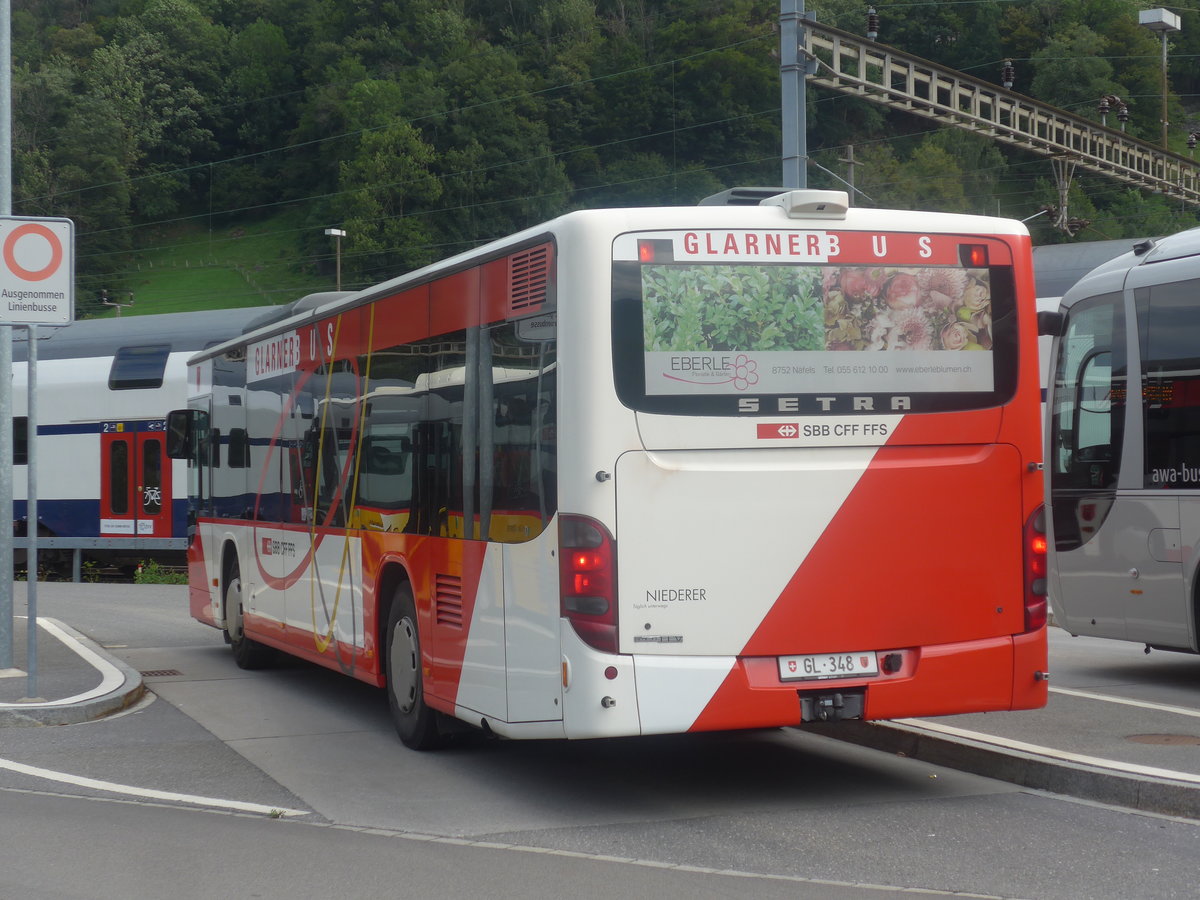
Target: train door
x=135, y=480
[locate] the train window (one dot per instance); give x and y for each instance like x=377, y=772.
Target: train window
x=152, y=469
x=138, y=367
x=239, y=448
x=118, y=477
x=20, y=440
x=214, y=447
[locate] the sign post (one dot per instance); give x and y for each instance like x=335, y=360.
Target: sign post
x=37, y=287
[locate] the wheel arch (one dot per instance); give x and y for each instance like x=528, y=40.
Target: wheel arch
x=229, y=560
x=393, y=574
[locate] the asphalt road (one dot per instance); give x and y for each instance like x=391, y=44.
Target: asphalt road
x=762, y=814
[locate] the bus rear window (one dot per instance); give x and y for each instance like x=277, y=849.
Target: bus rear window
x=712, y=337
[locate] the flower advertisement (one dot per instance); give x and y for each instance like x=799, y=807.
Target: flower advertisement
x=907, y=309
x=778, y=329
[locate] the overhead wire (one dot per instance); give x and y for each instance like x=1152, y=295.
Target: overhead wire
x=553, y=156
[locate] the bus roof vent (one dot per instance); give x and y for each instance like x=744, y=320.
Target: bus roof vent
x=317, y=300
x=742, y=196
x=528, y=278
x=812, y=204
x=271, y=316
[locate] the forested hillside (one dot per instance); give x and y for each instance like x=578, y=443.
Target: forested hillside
x=423, y=127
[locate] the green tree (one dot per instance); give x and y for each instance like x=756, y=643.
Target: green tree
x=1070, y=71
x=385, y=187
x=498, y=168
x=164, y=73
x=932, y=178
x=264, y=99
x=67, y=162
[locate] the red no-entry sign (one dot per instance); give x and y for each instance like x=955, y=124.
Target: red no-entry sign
x=37, y=276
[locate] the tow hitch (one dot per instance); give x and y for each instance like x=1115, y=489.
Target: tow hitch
x=831, y=706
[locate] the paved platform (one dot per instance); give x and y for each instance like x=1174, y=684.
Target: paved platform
x=1120, y=727
x=74, y=679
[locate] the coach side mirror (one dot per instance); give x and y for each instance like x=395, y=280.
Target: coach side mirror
x=1050, y=323
x=185, y=429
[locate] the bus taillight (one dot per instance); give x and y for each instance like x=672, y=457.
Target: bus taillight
x=1035, y=571
x=973, y=256
x=587, y=578
x=655, y=251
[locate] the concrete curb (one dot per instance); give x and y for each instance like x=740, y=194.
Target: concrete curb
x=1126, y=789
x=128, y=687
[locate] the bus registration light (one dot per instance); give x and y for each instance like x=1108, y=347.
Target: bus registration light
x=587, y=580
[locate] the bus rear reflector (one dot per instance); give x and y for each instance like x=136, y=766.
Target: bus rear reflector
x=587, y=580
x=1035, y=570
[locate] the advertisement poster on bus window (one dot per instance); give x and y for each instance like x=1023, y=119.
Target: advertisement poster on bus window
x=727, y=328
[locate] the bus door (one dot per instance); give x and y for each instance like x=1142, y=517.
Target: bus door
x=1116, y=550
x=1168, y=473
x=201, y=465
x=135, y=480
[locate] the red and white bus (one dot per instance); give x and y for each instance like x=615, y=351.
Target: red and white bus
x=642, y=471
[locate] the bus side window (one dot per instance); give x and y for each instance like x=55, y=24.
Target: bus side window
x=385, y=477
x=308, y=470
x=1088, y=418
x=1093, y=436
x=522, y=438
x=1168, y=322
x=1089, y=396
x=328, y=459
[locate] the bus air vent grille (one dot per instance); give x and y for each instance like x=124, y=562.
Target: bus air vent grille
x=448, y=601
x=529, y=278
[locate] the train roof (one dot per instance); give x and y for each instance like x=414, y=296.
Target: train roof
x=183, y=331
x=1111, y=275
x=1057, y=267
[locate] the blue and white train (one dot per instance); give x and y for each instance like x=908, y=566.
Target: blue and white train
x=104, y=386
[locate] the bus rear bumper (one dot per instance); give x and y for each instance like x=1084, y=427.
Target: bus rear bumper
x=615, y=694
x=1000, y=673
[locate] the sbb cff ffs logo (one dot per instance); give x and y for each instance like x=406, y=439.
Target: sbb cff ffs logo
x=275, y=547
x=789, y=430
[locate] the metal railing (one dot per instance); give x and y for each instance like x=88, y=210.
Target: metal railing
x=857, y=65
x=79, y=544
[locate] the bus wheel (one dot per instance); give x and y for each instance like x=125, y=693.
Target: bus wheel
x=247, y=654
x=415, y=722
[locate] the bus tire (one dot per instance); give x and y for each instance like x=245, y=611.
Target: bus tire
x=247, y=654
x=416, y=723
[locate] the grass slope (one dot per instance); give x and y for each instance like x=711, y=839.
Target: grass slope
x=191, y=268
